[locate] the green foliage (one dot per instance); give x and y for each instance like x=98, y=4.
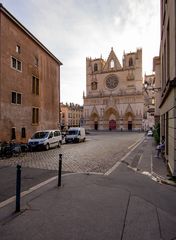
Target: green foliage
x=156, y=133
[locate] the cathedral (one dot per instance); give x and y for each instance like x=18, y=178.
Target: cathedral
x=114, y=93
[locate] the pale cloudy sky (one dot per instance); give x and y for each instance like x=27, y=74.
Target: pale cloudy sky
x=75, y=29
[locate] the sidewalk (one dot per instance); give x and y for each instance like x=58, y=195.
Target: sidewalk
x=124, y=205
x=160, y=168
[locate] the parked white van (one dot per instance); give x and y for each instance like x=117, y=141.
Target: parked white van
x=45, y=139
x=75, y=134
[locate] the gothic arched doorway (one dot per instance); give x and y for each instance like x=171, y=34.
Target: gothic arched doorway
x=94, y=121
x=112, y=124
x=129, y=119
x=111, y=118
x=96, y=125
x=130, y=126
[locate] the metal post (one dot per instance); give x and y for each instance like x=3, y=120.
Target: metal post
x=60, y=170
x=18, y=188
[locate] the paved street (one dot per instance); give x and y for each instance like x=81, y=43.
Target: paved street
x=124, y=203
x=98, y=154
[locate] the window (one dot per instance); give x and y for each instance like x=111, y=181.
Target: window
x=153, y=101
x=35, y=115
x=18, y=50
x=13, y=133
x=23, y=132
x=112, y=64
x=36, y=61
x=16, y=98
x=130, y=62
x=95, y=67
x=16, y=64
x=56, y=133
x=35, y=85
x=50, y=135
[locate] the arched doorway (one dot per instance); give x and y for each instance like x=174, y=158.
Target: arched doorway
x=94, y=121
x=112, y=124
x=130, y=126
x=129, y=119
x=111, y=117
x=96, y=125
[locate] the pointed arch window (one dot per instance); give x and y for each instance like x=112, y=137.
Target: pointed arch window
x=95, y=67
x=112, y=64
x=130, y=62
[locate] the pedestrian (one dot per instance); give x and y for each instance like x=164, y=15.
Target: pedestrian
x=160, y=148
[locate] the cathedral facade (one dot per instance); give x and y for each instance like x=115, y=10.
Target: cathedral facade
x=114, y=93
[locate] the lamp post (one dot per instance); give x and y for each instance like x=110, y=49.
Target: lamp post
x=151, y=88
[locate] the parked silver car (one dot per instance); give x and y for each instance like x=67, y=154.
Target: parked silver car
x=45, y=139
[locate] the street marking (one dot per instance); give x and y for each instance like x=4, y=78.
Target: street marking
x=30, y=190
x=12, y=199
x=140, y=159
x=151, y=164
x=134, y=144
x=116, y=165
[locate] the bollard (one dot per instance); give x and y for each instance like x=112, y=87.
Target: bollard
x=18, y=188
x=60, y=170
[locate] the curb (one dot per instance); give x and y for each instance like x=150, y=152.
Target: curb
x=163, y=180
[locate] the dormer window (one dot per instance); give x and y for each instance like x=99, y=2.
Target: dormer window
x=95, y=67
x=112, y=64
x=130, y=62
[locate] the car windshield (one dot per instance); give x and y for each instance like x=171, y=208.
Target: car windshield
x=40, y=135
x=73, y=132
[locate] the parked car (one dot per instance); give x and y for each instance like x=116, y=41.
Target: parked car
x=150, y=133
x=75, y=135
x=45, y=139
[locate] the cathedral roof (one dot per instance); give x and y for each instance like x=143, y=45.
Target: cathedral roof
x=112, y=62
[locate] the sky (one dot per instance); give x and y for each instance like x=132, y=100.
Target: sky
x=75, y=29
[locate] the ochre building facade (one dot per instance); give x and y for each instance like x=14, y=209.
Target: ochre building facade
x=71, y=115
x=29, y=82
x=114, y=93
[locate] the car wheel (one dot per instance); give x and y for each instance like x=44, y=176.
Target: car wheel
x=59, y=144
x=47, y=147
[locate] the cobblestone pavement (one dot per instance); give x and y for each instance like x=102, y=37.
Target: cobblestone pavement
x=98, y=153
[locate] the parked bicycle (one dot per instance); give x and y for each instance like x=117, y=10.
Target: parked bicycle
x=8, y=150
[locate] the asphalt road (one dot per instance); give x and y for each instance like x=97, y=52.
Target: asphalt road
x=98, y=154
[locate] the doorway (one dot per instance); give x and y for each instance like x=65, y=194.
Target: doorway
x=96, y=125
x=129, y=125
x=112, y=124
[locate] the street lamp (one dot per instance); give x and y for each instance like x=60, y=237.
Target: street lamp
x=150, y=88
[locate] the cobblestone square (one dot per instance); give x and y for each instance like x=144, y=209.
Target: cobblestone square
x=98, y=153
